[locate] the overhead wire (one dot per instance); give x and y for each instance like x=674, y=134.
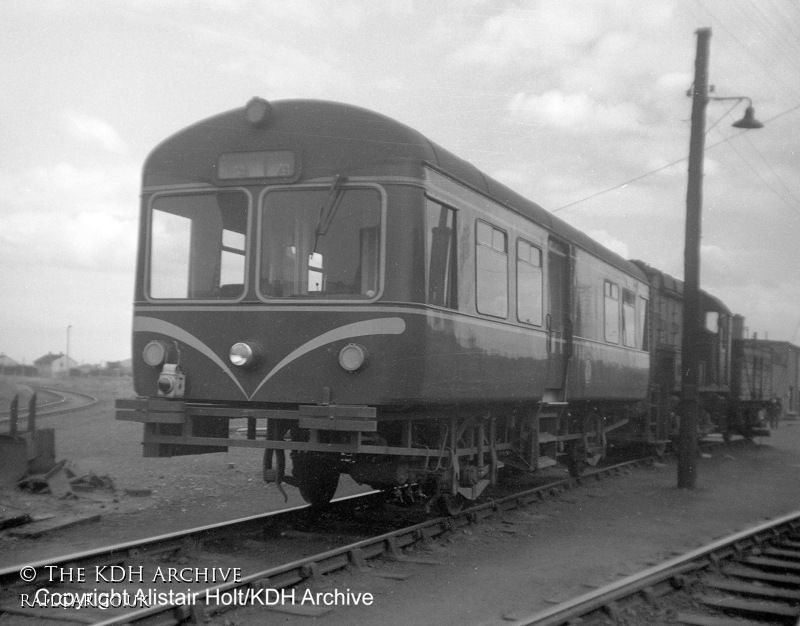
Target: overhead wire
x=769, y=166
x=786, y=44
x=668, y=165
x=789, y=50
x=774, y=37
x=758, y=174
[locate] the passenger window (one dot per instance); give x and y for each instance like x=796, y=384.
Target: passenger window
x=309, y=253
x=231, y=263
x=440, y=251
x=491, y=254
x=628, y=318
x=612, y=312
x=712, y=322
x=529, y=283
x=197, y=245
x=641, y=323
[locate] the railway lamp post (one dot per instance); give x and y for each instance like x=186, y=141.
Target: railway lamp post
x=690, y=368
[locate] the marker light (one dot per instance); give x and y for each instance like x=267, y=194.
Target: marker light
x=166, y=385
x=245, y=354
x=171, y=382
x=353, y=357
x=258, y=112
x=154, y=353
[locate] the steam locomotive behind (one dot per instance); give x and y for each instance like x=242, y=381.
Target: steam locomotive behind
x=724, y=406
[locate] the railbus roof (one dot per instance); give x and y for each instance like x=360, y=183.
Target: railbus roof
x=335, y=138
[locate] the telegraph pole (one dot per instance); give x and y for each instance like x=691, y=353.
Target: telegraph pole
x=690, y=379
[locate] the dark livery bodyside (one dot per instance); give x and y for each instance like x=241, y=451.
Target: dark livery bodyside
x=371, y=302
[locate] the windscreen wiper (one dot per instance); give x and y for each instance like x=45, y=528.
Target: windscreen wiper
x=328, y=209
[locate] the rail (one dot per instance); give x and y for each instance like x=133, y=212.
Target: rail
x=653, y=582
x=388, y=544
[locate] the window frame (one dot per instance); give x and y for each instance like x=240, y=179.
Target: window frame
x=611, y=294
x=540, y=267
x=317, y=186
x=148, y=207
x=628, y=301
x=493, y=249
x=450, y=288
x=643, y=322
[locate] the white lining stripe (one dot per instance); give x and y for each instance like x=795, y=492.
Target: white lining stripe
x=380, y=326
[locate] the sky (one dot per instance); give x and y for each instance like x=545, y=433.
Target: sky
x=579, y=105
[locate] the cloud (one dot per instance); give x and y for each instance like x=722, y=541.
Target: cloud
x=610, y=242
x=575, y=112
x=514, y=178
x=284, y=70
x=88, y=129
x=92, y=240
x=553, y=33
x=70, y=188
x=69, y=216
x=674, y=82
x=529, y=37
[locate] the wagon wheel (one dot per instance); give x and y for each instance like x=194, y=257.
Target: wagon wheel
x=316, y=477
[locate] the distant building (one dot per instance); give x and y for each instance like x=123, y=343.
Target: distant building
x=86, y=369
x=53, y=365
x=10, y=367
x=7, y=364
x=120, y=368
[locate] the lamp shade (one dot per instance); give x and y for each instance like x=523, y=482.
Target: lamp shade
x=749, y=120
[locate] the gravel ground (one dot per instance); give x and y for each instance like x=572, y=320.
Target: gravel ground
x=183, y=491
x=548, y=553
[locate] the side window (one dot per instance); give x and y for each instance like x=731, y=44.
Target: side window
x=491, y=257
x=440, y=252
x=231, y=263
x=628, y=318
x=529, y=283
x=612, y=311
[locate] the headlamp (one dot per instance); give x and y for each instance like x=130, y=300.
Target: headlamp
x=154, y=353
x=353, y=357
x=245, y=354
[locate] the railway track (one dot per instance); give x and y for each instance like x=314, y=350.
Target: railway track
x=64, y=401
x=50, y=402
x=750, y=578
x=272, y=553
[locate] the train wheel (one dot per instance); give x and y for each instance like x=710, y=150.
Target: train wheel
x=576, y=460
x=659, y=449
x=315, y=476
x=581, y=454
x=449, y=504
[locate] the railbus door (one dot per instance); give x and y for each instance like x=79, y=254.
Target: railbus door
x=557, y=320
